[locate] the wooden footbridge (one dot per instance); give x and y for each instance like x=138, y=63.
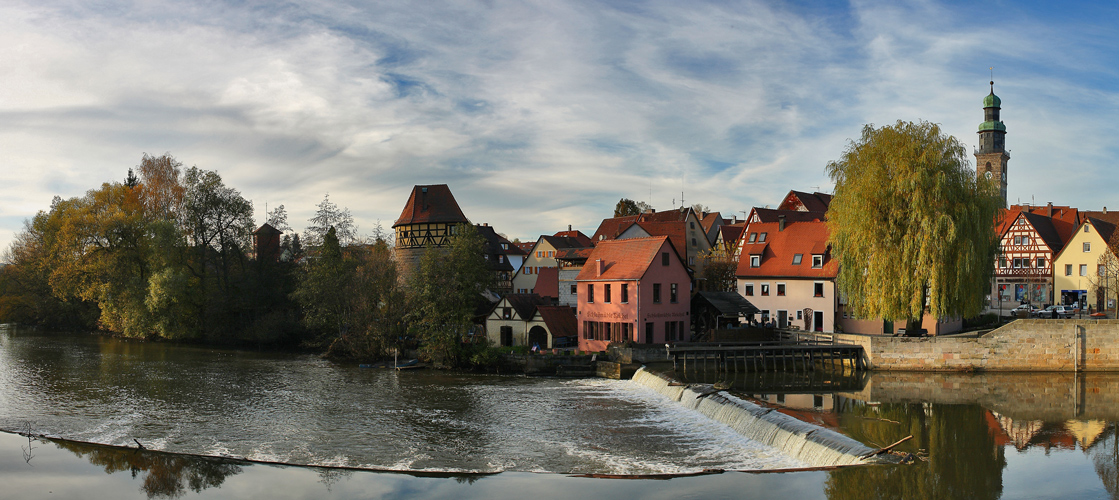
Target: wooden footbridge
x=795, y=352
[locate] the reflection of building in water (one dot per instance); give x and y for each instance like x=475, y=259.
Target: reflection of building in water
x=1024, y=434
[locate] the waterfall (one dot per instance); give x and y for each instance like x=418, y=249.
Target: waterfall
x=809, y=443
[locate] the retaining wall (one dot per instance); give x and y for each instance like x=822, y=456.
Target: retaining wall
x=1022, y=345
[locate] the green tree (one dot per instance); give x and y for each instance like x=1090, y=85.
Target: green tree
x=910, y=225
x=627, y=207
x=445, y=291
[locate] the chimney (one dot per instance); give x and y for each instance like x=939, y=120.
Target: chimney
x=1050, y=207
x=780, y=223
x=599, y=267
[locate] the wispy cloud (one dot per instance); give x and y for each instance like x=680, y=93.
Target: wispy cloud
x=538, y=114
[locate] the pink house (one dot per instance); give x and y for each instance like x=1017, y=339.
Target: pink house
x=633, y=290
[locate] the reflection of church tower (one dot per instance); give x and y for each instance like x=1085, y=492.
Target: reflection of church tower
x=991, y=158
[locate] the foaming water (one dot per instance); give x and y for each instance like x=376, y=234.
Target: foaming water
x=811, y=444
x=301, y=409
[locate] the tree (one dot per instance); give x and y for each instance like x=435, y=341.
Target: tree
x=910, y=225
x=278, y=218
x=445, y=290
x=327, y=216
x=627, y=207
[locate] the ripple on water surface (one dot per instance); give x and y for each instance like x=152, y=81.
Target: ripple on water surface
x=301, y=409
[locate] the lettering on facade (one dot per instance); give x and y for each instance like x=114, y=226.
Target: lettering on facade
x=608, y=315
x=666, y=314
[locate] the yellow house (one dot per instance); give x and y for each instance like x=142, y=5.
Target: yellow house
x=1079, y=271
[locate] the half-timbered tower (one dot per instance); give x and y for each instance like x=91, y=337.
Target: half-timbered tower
x=429, y=220
x=991, y=157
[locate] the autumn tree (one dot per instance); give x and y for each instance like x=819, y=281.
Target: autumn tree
x=910, y=225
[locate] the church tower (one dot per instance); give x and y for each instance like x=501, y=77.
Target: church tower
x=991, y=157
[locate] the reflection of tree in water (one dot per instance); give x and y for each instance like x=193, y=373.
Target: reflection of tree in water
x=166, y=475
x=963, y=459
x=1105, y=455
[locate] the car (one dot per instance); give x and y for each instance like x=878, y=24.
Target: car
x=1055, y=312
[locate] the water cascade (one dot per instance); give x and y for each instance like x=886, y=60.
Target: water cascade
x=812, y=444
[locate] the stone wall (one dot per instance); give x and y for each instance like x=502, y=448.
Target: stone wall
x=1022, y=345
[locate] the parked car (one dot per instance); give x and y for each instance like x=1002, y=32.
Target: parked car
x=1055, y=312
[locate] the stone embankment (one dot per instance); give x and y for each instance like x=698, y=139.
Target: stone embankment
x=1022, y=345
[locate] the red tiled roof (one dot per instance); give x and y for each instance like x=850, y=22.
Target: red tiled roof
x=432, y=203
x=622, y=259
x=547, y=282
x=805, y=238
x=561, y=320
x=811, y=202
x=584, y=240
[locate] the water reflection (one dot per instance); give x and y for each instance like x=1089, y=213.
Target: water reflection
x=162, y=475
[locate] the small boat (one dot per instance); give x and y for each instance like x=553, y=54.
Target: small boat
x=408, y=364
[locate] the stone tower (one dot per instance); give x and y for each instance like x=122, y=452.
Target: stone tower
x=991, y=157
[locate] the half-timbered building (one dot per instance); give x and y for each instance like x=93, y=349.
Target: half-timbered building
x=429, y=220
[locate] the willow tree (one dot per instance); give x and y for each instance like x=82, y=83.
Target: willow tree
x=911, y=225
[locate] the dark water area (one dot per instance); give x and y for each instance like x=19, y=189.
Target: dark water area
x=468, y=436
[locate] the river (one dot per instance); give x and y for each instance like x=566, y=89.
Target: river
x=974, y=436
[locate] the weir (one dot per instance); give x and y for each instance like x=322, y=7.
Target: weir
x=812, y=444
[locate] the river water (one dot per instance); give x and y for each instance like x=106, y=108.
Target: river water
x=974, y=436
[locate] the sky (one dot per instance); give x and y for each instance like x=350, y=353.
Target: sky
x=540, y=114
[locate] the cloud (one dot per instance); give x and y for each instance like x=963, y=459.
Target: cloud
x=537, y=114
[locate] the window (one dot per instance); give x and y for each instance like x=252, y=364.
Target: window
x=761, y=237
x=672, y=293
x=818, y=289
x=1087, y=246
x=780, y=289
x=1041, y=262
x=817, y=261
x=664, y=258
x=625, y=293
x=796, y=259
x=765, y=289
x=755, y=261
x=590, y=293
x=606, y=293
x=753, y=238
x=748, y=289
x=1068, y=269
x=1083, y=269
x=656, y=293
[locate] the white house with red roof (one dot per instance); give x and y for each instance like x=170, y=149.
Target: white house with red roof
x=787, y=272
x=635, y=289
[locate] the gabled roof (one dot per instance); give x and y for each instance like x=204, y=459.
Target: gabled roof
x=561, y=242
x=561, y=320
x=805, y=238
x=524, y=303
x=547, y=282
x=805, y=202
x=626, y=259
x=428, y=204
x=584, y=240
